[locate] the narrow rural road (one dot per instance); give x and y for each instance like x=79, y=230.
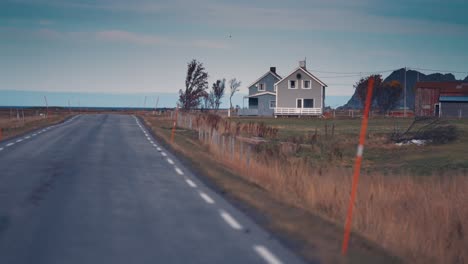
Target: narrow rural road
x=100, y=189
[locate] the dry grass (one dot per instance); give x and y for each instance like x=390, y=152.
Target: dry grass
x=421, y=219
x=11, y=127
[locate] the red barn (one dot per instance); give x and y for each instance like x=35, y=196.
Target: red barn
x=442, y=99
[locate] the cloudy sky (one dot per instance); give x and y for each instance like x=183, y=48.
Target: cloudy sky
x=143, y=46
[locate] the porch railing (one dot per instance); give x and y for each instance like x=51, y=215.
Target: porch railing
x=297, y=111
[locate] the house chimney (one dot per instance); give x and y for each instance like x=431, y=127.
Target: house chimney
x=302, y=64
x=273, y=69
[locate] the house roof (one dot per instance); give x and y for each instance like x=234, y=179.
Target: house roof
x=263, y=76
x=445, y=87
x=259, y=94
x=306, y=72
x=453, y=99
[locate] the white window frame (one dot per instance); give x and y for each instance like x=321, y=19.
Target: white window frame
x=274, y=88
x=302, y=103
x=289, y=84
x=313, y=102
x=272, y=101
x=260, y=85
x=303, y=84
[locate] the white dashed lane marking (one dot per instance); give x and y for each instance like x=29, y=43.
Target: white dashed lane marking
x=266, y=255
x=159, y=149
x=19, y=140
x=170, y=161
x=1, y=149
x=10, y=144
x=164, y=154
x=191, y=183
x=28, y=137
x=230, y=220
x=179, y=171
x=206, y=198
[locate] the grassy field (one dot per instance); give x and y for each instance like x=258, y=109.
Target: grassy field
x=380, y=154
x=420, y=219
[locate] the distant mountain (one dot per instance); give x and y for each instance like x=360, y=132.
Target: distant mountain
x=411, y=78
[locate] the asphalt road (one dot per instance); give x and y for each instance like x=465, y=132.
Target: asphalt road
x=100, y=189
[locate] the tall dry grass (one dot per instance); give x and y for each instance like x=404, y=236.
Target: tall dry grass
x=422, y=219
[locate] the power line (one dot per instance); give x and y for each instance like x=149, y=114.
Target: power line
x=432, y=70
x=353, y=73
x=340, y=76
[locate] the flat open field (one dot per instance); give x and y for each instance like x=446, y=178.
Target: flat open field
x=380, y=154
x=13, y=123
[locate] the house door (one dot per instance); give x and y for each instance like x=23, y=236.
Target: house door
x=437, y=110
x=299, y=103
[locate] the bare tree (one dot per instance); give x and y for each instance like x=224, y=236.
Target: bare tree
x=218, y=92
x=195, y=85
x=234, y=85
x=209, y=100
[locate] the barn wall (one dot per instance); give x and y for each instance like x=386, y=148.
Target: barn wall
x=454, y=109
x=425, y=100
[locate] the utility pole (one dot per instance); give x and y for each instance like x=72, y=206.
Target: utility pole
x=47, y=106
x=156, y=106
x=404, y=104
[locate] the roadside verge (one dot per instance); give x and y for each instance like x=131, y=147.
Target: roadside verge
x=306, y=234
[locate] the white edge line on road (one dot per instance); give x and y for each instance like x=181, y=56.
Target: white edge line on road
x=10, y=144
x=170, y=161
x=179, y=171
x=266, y=255
x=164, y=154
x=191, y=183
x=230, y=220
x=206, y=197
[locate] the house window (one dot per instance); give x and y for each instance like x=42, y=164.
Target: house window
x=272, y=104
x=308, y=103
x=292, y=84
x=299, y=103
x=261, y=87
x=306, y=84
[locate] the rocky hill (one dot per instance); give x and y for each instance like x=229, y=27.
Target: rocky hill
x=411, y=78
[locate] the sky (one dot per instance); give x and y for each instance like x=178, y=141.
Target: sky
x=143, y=47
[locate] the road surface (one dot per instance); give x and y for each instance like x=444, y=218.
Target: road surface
x=100, y=189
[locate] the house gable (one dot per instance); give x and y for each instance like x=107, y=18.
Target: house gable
x=301, y=70
x=267, y=82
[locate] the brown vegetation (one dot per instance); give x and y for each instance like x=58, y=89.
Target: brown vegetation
x=421, y=219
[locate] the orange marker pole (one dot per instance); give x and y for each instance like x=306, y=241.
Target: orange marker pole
x=357, y=165
x=175, y=124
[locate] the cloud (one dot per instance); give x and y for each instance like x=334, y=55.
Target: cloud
x=320, y=18
x=129, y=37
x=45, y=22
x=209, y=44
x=112, y=36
